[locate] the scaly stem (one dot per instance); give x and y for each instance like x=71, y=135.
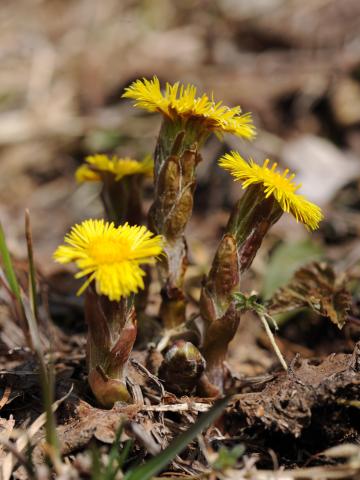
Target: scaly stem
x=122, y=202
x=251, y=219
x=112, y=331
x=122, y=199
x=176, y=157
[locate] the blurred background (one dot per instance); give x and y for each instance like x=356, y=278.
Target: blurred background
x=294, y=63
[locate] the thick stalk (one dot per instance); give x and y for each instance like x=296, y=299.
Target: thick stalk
x=176, y=157
x=251, y=219
x=112, y=331
x=123, y=199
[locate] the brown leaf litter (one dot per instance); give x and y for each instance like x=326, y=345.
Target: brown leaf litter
x=287, y=403
x=316, y=286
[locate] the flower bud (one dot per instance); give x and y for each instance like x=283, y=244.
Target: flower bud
x=182, y=368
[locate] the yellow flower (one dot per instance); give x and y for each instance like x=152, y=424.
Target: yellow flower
x=119, y=167
x=280, y=185
x=85, y=174
x=181, y=101
x=110, y=255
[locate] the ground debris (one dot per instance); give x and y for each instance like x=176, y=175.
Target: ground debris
x=6, y=428
x=89, y=422
x=287, y=403
x=317, y=286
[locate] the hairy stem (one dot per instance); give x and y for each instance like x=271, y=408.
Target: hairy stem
x=176, y=157
x=122, y=199
x=112, y=331
x=250, y=220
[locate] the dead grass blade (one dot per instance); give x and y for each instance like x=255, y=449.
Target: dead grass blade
x=32, y=272
x=9, y=461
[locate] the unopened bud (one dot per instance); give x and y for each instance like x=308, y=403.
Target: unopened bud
x=182, y=368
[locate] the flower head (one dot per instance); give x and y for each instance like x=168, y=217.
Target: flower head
x=119, y=167
x=280, y=185
x=110, y=255
x=181, y=101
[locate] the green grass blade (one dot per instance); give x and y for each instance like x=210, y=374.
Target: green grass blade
x=47, y=381
x=125, y=453
x=13, y=285
x=113, y=466
x=31, y=327
x=96, y=466
x=8, y=266
x=158, y=463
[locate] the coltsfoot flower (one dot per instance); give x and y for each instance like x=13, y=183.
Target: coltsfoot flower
x=280, y=185
x=188, y=120
x=180, y=101
x=109, y=255
x=119, y=167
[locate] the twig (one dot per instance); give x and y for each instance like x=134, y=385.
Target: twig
x=178, y=407
x=5, y=396
x=32, y=274
x=19, y=456
x=273, y=342
x=144, y=371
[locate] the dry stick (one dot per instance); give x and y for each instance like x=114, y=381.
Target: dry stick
x=178, y=407
x=21, y=459
x=32, y=273
x=273, y=342
x=342, y=471
x=5, y=397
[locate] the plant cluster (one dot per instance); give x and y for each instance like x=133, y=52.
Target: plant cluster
x=113, y=254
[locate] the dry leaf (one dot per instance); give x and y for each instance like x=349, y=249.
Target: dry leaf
x=316, y=286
